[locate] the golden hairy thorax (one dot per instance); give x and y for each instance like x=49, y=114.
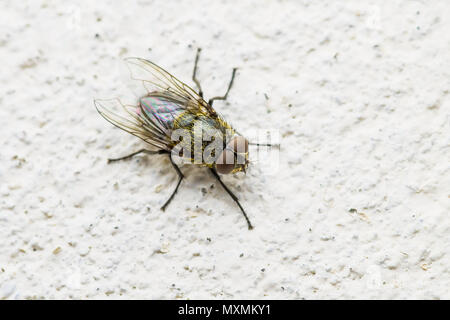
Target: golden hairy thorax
x=211, y=127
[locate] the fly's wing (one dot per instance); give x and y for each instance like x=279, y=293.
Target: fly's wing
x=167, y=98
x=156, y=79
x=133, y=119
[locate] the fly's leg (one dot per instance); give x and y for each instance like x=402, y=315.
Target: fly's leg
x=194, y=75
x=233, y=197
x=137, y=152
x=180, y=177
x=264, y=144
x=228, y=90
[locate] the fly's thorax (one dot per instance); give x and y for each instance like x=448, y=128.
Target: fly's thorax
x=201, y=138
x=234, y=158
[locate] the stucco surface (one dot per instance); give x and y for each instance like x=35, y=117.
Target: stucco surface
x=355, y=205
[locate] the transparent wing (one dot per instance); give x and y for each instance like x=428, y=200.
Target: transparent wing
x=132, y=119
x=155, y=78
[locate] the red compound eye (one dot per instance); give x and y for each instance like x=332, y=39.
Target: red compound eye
x=225, y=162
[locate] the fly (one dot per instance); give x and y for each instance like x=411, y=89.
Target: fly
x=173, y=119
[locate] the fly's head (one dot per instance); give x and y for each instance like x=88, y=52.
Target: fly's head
x=234, y=158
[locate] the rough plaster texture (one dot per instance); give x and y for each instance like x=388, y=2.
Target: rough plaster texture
x=358, y=208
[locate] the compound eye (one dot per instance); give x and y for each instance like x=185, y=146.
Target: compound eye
x=225, y=162
x=240, y=144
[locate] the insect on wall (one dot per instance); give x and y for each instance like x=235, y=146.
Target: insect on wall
x=176, y=121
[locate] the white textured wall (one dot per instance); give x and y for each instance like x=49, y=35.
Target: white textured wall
x=358, y=208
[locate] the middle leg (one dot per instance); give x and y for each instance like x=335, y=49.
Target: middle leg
x=194, y=75
x=138, y=152
x=228, y=90
x=180, y=177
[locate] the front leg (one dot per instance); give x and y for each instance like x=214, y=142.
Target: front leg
x=214, y=172
x=264, y=144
